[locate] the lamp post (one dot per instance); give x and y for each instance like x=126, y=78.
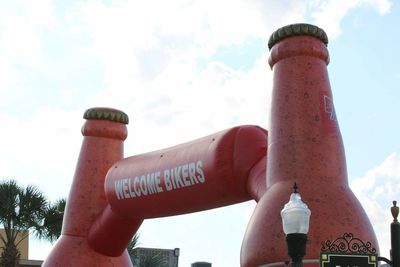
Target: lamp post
x=394, y=238
x=295, y=220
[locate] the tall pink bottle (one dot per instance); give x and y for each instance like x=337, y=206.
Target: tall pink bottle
x=304, y=146
x=104, y=133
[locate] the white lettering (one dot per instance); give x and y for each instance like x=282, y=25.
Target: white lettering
x=167, y=180
x=136, y=186
x=172, y=179
x=192, y=173
x=185, y=175
x=177, y=177
x=199, y=166
x=158, y=182
x=131, y=192
x=151, y=183
x=143, y=186
x=118, y=189
x=125, y=185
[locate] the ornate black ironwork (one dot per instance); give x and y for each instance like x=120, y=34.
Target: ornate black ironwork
x=348, y=244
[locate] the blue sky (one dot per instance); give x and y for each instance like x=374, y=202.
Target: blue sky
x=182, y=70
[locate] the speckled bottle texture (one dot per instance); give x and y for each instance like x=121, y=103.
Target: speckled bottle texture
x=304, y=146
x=104, y=133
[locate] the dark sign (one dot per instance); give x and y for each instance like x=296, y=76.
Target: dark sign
x=348, y=251
x=348, y=260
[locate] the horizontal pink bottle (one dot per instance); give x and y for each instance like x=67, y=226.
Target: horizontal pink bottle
x=206, y=173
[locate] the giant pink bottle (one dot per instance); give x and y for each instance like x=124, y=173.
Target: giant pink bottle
x=104, y=133
x=304, y=146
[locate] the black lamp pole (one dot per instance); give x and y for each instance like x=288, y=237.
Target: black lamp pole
x=395, y=236
x=296, y=244
x=395, y=239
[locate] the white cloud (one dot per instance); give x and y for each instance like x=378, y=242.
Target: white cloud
x=328, y=14
x=22, y=23
x=41, y=151
x=19, y=44
x=133, y=38
x=376, y=190
x=197, y=104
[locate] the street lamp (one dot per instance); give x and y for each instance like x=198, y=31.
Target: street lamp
x=395, y=239
x=295, y=220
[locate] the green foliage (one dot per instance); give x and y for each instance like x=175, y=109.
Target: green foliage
x=132, y=244
x=23, y=210
x=52, y=224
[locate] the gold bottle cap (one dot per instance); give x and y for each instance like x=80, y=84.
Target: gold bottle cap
x=109, y=114
x=297, y=29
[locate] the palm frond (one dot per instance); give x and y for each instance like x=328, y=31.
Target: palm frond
x=52, y=223
x=23, y=209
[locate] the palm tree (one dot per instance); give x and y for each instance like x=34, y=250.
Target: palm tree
x=132, y=245
x=21, y=210
x=52, y=224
